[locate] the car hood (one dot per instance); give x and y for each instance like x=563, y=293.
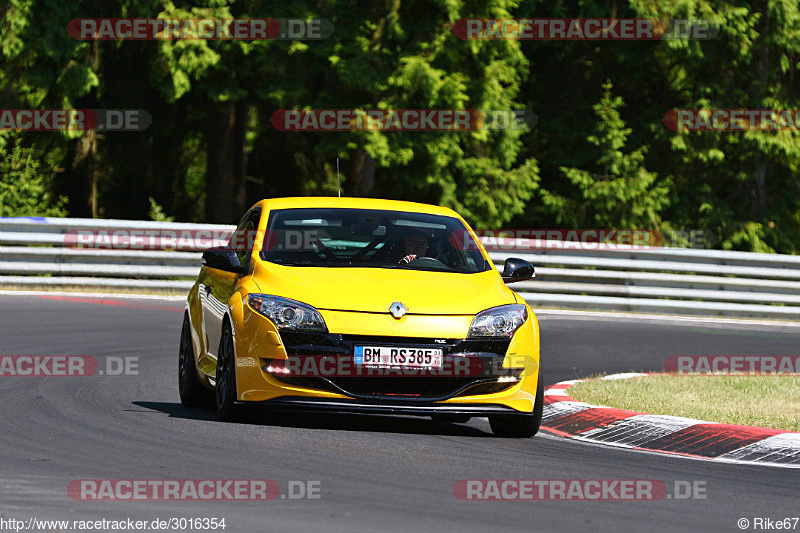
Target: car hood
x=373, y=290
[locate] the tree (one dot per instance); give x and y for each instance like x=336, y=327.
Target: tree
x=396, y=55
x=621, y=192
x=741, y=185
x=24, y=189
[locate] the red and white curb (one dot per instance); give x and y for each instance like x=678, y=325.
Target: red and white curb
x=687, y=437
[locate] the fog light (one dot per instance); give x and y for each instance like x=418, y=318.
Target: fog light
x=276, y=366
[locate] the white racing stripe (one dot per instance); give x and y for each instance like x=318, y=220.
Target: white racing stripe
x=639, y=429
x=626, y=375
x=559, y=409
x=124, y=296
x=783, y=449
x=610, y=315
x=569, y=382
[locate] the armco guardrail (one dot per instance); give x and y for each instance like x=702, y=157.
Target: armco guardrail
x=34, y=254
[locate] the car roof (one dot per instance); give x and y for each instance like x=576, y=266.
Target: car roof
x=354, y=203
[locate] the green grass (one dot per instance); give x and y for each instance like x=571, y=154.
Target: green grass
x=766, y=401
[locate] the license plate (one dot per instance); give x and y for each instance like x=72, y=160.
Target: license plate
x=394, y=356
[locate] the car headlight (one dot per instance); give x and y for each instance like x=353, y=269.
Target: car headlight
x=500, y=321
x=286, y=313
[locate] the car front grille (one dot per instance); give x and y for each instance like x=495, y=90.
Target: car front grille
x=333, y=344
x=427, y=388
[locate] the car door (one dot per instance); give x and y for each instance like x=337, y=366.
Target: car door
x=218, y=286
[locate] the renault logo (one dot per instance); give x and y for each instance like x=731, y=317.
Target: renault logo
x=398, y=310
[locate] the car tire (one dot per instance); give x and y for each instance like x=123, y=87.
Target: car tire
x=225, y=393
x=454, y=419
x=192, y=392
x=521, y=426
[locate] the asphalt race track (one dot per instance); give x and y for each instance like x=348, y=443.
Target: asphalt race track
x=375, y=473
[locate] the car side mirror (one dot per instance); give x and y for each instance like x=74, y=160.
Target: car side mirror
x=223, y=258
x=517, y=270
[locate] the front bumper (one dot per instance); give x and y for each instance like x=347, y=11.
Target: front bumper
x=258, y=343
x=383, y=407
x=476, y=366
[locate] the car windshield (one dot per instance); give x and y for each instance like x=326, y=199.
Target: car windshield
x=370, y=238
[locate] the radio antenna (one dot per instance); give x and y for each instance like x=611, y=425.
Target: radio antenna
x=338, y=180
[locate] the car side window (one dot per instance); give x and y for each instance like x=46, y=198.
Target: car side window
x=244, y=238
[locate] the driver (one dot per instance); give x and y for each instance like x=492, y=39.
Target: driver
x=416, y=246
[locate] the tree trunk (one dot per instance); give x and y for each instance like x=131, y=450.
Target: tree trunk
x=361, y=177
x=759, y=196
x=79, y=180
x=762, y=59
x=226, y=156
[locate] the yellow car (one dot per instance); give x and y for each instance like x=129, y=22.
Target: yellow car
x=361, y=305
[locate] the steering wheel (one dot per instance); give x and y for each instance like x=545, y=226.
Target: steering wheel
x=429, y=262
